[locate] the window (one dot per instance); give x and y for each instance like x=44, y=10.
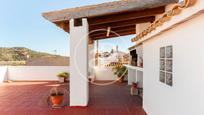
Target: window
x=166, y=65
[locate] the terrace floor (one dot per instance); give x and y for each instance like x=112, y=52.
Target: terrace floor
x=30, y=98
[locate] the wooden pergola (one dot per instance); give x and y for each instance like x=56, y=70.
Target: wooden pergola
x=120, y=16
x=110, y=18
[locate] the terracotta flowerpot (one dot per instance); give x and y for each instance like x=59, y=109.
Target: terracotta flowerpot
x=134, y=89
x=57, y=100
x=134, y=85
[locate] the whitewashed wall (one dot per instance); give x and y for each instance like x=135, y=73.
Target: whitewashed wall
x=135, y=75
x=34, y=73
x=3, y=74
x=103, y=73
x=46, y=73
x=141, y=27
x=139, y=50
x=186, y=97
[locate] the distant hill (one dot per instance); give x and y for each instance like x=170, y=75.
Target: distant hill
x=25, y=56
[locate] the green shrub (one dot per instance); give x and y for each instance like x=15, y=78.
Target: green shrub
x=63, y=75
x=120, y=71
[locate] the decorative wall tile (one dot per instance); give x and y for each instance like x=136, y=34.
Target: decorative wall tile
x=162, y=64
x=169, y=65
x=162, y=77
x=162, y=52
x=166, y=65
x=169, y=79
x=169, y=52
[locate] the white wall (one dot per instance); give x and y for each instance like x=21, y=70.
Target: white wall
x=186, y=97
x=139, y=50
x=35, y=73
x=131, y=76
x=135, y=74
x=46, y=73
x=141, y=27
x=3, y=74
x=104, y=73
x=139, y=79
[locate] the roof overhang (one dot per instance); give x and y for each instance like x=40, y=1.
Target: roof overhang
x=120, y=16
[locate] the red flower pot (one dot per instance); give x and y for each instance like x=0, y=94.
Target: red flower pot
x=57, y=100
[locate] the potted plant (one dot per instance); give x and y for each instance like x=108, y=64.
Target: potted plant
x=63, y=77
x=56, y=97
x=134, y=89
x=121, y=72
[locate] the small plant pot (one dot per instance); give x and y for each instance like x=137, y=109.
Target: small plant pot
x=57, y=100
x=61, y=79
x=134, y=89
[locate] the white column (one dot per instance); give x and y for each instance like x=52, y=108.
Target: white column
x=131, y=76
x=79, y=89
x=91, y=60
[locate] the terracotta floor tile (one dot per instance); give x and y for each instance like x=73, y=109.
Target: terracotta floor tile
x=30, y=98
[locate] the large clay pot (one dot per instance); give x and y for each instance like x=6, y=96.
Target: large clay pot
x=57, y=100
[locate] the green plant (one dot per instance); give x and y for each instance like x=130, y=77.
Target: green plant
x=56, y=92
x=120, y=71
x=63, y=75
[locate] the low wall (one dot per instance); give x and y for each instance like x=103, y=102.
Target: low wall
x=46, y=73
x=3, y=74
x=31, y=73
x=103, y=73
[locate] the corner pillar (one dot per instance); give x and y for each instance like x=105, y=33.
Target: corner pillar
x=79, y=88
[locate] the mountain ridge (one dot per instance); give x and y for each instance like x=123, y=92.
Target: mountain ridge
x=31, y=57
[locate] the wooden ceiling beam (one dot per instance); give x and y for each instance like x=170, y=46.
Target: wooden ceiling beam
x=112, y=35
x=125, y=16
x=115, y=30
x=119, y=19
x=122, y=23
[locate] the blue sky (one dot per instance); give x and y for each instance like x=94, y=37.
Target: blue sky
x=21, y=24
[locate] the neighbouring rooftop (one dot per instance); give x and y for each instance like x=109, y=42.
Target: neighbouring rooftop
x=121, y=16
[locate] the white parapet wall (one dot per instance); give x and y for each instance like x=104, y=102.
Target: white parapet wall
x=46, y=73
x=104, y=73
x=3, y=73
x=31, y=73
x=135, y=74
